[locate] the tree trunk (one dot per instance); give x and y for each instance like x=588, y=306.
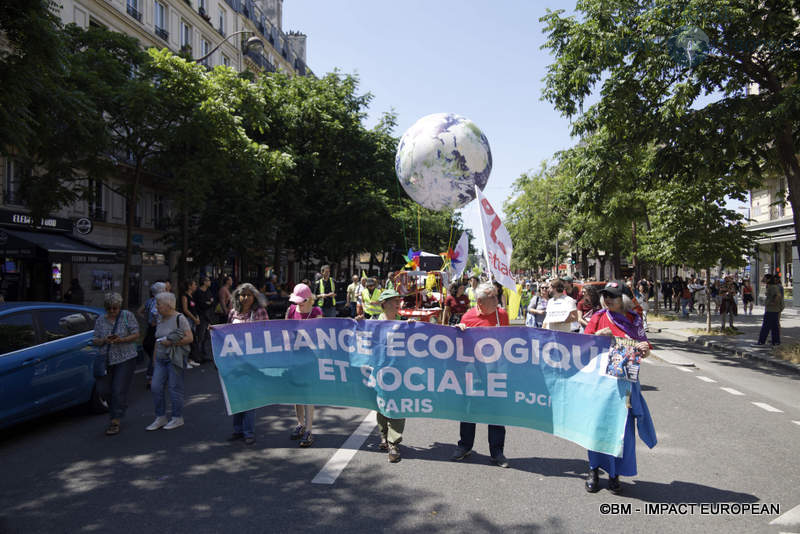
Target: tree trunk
x=371, y=261
x=131, y=203
x=636, y=275
x=708, y=300
x=787, y=154
x=585, y=262
x=615, y=260
x=182, y=266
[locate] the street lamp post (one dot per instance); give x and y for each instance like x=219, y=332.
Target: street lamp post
x=251, y=42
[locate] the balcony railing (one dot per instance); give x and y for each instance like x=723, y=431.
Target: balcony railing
x=260, y=60
x=161, y=32
x=204, y=14
x=271, y=33
x=135, y=13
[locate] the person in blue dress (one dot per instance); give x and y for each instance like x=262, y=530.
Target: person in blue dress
x=618, y=319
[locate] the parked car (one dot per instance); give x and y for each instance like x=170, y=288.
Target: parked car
x=46, y=359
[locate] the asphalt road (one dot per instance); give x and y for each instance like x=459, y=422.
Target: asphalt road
x=62, y=474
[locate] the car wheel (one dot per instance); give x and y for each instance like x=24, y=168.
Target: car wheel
x=98, y=403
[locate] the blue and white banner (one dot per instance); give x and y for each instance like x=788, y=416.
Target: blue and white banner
x=549, y=381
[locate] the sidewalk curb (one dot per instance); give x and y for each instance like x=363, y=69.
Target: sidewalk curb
x=744, y=353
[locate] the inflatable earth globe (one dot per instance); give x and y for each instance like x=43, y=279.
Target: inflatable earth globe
x=441, y=159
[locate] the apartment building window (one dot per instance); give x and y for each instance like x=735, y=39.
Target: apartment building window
x=134, y=10
x=226, y=60
x=205, y=48
x=186, y=36
x=222, y=26
x=13, y=181
x=160, y=12
x=96, y=211
x=202, y=4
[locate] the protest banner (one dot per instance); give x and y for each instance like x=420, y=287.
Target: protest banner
x=546, y=380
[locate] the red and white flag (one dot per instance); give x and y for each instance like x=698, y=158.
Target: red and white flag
x=496, y=243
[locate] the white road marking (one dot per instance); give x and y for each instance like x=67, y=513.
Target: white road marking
x=684, y=369
x=767, y=407
x=732, y=391
x=796, y=422
x=331, y=471
x=789, y=519
x=706, y=379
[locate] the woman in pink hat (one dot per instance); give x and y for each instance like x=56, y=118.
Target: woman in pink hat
x=302, y=307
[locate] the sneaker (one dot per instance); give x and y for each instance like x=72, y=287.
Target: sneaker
x=297, y=433
x=158, y=423
x=192, y=363
x=113, y=428
x=384, y=445
x=460, y=453
x=249, y=440
x=500, y=460
x=307, y=440
x=175, y=422
x=394, y=454
x=236, y=436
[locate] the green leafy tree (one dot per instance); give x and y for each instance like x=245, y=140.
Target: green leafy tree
x=48, y=123
x=678, y=77
x=692, y=226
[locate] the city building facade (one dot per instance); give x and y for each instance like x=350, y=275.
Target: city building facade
x=770, y=215
x=85, y=241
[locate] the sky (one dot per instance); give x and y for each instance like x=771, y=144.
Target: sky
x=482, y=60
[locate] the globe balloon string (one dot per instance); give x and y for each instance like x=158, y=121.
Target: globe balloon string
x=402, y=220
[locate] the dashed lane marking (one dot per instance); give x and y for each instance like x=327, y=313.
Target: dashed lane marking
x=767, y=407
x=706, y=379
x=331, y=471
x=732, y=391
x=796, y=422
x=684, y=369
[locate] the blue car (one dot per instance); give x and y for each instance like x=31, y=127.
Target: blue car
x=46, y=359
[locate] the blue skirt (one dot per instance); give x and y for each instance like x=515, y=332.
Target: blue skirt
x=626, y=465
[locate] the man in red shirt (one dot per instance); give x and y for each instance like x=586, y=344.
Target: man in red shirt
x=485, y=313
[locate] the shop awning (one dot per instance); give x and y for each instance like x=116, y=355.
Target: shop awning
x=58, y=243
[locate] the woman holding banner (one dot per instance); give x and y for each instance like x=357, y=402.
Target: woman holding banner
x=302, y=307
x=247, y=306
x=615, y=320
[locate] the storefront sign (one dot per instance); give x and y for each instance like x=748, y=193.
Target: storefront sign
x=89, y=258
x=25, y=219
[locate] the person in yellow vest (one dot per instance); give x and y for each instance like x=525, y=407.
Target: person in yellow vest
x=368, y=302
x=326, y=293
x=473, y=285
x=391, y=428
